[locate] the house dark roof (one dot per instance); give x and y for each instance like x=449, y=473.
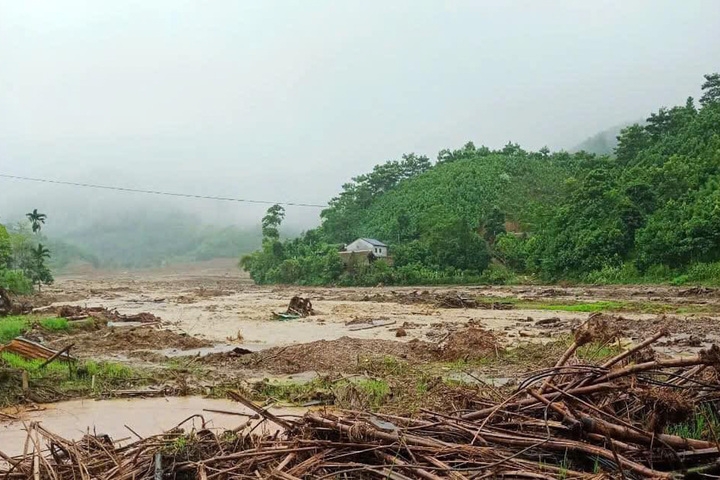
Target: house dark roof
x=373, y=242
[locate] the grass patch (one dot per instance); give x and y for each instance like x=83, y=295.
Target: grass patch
x=602, y=306
x=376, y=390
x=599, y=306
x=14, y=326
x=319, y=389
x=703, y=425
x=11, y=327
x=55, y=324
x=60, y=379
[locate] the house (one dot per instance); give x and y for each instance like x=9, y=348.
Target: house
x=368, y=245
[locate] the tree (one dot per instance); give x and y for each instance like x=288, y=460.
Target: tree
x=631, y=141
x=36, y=219
x=494, y=225
x=5, y=248
x=37, y=271
x=271, y=222
x=711, y=89
x=40, y=253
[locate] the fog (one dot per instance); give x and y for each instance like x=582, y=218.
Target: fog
x=286, y=100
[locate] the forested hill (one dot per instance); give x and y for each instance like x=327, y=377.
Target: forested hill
x=649, y=212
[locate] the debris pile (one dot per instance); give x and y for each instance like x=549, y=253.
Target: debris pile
x=299, y=307
x=455, y=300
x=344, y=354
x=75, y=312
x=439, y=300
x=573, y=420
x=130, y=340
x=471, y=343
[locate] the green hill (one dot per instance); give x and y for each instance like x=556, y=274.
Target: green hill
x=651, y=211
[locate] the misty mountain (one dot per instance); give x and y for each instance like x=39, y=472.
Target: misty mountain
x=603, y=142
x=142, y=239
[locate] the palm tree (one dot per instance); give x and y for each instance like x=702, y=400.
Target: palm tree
x=37, y=219
x=40, y=253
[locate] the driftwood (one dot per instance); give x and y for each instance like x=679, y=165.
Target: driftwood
x=574, y=421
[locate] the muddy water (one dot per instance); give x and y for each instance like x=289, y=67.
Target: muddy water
x=248, y=312
x=148, y=416
x=216, y=302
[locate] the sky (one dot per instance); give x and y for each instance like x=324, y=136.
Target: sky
x=285, y=100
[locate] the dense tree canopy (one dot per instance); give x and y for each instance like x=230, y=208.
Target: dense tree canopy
x=654, y=205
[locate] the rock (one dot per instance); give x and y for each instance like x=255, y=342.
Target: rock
x=548, y=321
x=400, y=332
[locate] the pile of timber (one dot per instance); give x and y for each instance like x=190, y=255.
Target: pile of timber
x=572, y=421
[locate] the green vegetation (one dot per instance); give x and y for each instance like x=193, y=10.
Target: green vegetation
x=59, y=379
x=344, y=392
x=647, y=213
x=606, y=306
x=598, y=306
x=22, y=260
x=13, y=326
x=703, y=425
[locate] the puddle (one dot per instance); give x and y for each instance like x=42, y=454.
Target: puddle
x=147, y=416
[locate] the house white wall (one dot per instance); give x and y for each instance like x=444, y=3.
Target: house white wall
x=361, y=245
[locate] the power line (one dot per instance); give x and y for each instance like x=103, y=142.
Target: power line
x=158, y=192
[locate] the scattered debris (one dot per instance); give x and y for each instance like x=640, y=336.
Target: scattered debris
x=696, y=291
x=455, y=300
x=371, y=324
x=575, y=421
x=75, y=312
x=438, y=300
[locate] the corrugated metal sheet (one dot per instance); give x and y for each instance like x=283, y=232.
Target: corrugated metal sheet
x=32, y=350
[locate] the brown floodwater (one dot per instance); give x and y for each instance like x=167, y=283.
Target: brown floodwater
x=146, y=417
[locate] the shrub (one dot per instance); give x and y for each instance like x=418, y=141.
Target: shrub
x=15, y=281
